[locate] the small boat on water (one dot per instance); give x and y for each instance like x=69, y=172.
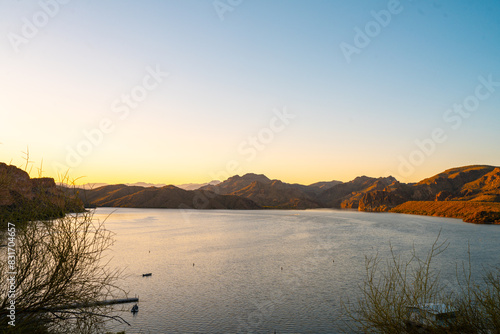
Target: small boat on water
x=135, y=309
x=146, y=275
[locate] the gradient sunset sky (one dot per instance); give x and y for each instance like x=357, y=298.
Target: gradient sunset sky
x=303, y=91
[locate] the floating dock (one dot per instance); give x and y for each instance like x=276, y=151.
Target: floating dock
x=98, y=303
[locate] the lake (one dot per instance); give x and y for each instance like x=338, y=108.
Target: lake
x=230, y=271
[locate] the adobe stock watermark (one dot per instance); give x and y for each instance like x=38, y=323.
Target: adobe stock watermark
x=11, y=273
x=31, y=26
x=223, y=6
x=122, y=107
x=454, y=118
x=249, y=148
x=373, y=28
x=248, y=151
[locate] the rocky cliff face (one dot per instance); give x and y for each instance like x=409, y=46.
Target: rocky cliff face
x=485, y=188
x=23, y=197
x=269, y=193
x=348, y=195
x=14, y=184
x=383, y=200
x=469, y=183
x=452, y=182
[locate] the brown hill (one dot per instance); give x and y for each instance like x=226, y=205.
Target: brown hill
x=165, y=197
x=268, y=193
x=22, y=197
x=106, y=194
x=385, y=199
x=451, y=182
x=277, y=194
x=484, y=189
x=348, y=195
x=324, y=185
x=468, y=183
x=235, y=183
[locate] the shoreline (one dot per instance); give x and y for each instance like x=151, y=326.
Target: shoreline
x=484, y=213
x=481, y=213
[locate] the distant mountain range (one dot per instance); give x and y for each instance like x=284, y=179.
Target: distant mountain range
x=471, y=193
x=187, y=186
x=171, y=197
x=478, y=183
x=196, y=186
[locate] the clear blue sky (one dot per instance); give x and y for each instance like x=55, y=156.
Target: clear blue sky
x=99, y=67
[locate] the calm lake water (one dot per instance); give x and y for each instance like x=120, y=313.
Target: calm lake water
x=263, y=271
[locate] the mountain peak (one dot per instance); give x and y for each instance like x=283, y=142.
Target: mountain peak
x=256, y=177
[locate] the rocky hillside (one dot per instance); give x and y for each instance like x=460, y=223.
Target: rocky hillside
x=165, y=197
x=320, y=186
x=24, y=198
x=236, y=183
x=464, y=184
x=279, y=195
x=347, y=195
x=250, y=191
x=469, y=183
x=269, y=193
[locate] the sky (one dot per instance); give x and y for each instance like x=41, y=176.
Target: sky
x=195, y=90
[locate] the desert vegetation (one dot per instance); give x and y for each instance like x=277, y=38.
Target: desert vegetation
x=54, y=262
x=392, y=288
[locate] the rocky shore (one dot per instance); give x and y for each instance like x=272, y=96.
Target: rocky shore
x=24, y=198
x=470, y=212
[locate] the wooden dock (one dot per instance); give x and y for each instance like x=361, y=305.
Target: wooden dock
x=98, y=303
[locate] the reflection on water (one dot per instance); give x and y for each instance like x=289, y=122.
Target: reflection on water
x=264, y=271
